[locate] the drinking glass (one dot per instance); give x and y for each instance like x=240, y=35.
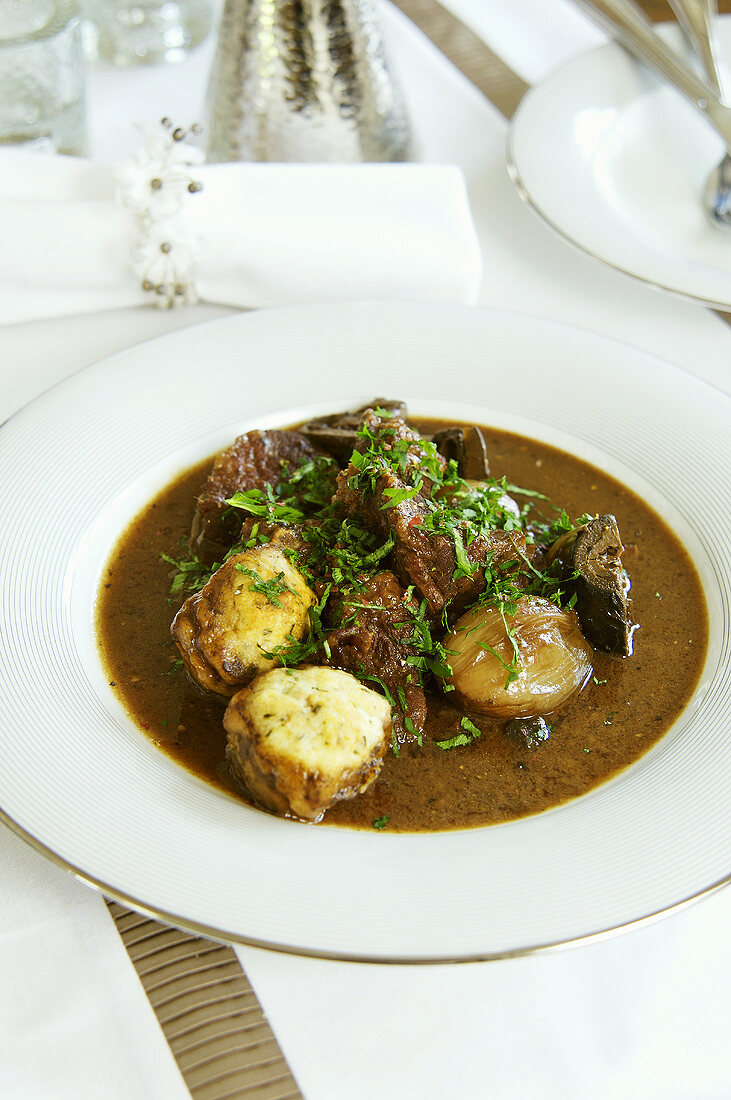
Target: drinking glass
x=42, y=77
x=129, y=32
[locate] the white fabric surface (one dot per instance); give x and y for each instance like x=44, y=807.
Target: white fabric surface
x=74, y=1019
x=265, y=235
x=636, y=1018
x=644, y=1015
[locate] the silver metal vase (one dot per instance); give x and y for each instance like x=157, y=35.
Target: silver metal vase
x=303, y=80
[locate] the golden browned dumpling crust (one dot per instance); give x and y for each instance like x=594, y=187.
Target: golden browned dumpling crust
x=255, y=602
x=300, y=739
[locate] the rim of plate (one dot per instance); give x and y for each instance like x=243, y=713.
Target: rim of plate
x=611, y=49
x=565, y=235
x=366, y=317
x=214, y=933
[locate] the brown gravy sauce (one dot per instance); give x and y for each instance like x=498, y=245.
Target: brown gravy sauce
x=605, y=729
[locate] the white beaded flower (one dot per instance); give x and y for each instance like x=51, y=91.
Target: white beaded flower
x=153, y=184
x=144, y=191
x=165, y=261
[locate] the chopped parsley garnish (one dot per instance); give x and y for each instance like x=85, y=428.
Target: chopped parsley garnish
x=189, y=577
x=379, y=822
x=471, y=734
x=272, y=588
x=466, y=724
x=263, y=502
x=296, y=652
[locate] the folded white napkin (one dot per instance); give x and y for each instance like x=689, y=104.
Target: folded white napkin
x=259, y=235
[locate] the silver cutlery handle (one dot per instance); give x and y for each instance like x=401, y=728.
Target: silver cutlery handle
x=698, y=18
x=626, y=22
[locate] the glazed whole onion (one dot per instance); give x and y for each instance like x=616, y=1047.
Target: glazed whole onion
x=552, y=663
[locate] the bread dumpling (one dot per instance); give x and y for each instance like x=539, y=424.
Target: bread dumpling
x=300, y=739
x=254, y=603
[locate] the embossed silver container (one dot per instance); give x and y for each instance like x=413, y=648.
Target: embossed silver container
x=303, y=80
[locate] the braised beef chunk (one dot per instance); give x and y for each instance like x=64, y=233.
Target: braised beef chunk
x=424, y=557
x=390, y=443
x=253, y=461
x=385, y=443
x=373, y=640
x=429, y=561
x=386, y=434
x=387, y=430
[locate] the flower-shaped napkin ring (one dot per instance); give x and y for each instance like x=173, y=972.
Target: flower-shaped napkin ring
x=154, y=184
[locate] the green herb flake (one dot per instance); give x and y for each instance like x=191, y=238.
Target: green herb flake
x=462, y=738
x=272, y=589
x=465, y=568
x=455, y=742
x=380, y=822
x=470, y=727
x=190, y=575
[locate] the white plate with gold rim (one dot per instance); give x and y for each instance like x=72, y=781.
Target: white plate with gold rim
x=82, y=784
x=616, y=161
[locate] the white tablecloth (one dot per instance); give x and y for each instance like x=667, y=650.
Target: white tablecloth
x=644, y=1015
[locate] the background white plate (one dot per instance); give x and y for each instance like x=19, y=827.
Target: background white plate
x=80, y=781
x=616, y=161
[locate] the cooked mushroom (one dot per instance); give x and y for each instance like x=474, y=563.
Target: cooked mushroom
x=301, y=739
x=591, y=559
x=528, y=733
x=468, y=449
x=525, y=664
x=337, y=433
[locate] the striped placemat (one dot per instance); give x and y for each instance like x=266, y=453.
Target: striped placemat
x=208, y=1012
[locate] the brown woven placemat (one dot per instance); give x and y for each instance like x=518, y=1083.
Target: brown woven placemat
x=468, y=53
